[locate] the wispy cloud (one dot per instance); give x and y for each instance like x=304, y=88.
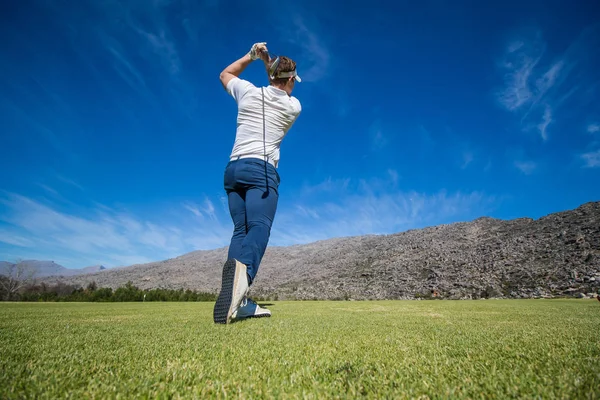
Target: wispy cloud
x=537, y=84
x=193, y=209
x=526, y=167
x=546, y=120
x=129, y=74
x=307, y=212
x=48, y=189
x=488, y=166
x=547, y=81
x=154, y=32
x=591, y=159
x=527, y=82
x=378, y=139
x=373, y=206
x=69, y=181
x=102, y=235
x=26, y=118
x=467, y=158
x=332, y=208
x=394, y=176
x=164, y=48
x=425, y=136
x=519, y=63
x=328, y=185
x=314, y=57
x=209, y=208
x=9, y=237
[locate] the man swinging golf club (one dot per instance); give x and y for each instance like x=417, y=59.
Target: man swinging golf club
x=251, y=180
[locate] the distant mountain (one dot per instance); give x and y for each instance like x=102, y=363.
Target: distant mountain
x=90, y=270
x=42, y=269
x=556, y=255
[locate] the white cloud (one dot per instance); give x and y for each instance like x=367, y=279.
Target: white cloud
x=546, y=120
x=193, y=209
x=523, y=83
x=372, y=206
x=107, y=236
x=209, y=208
x=49, y=189
x=526, y=167
x=593, y=128
x=327, y=209
x=467, y=158
x=307, y=212
x=316, y=55
x=394, y=176
x=31, y=123
x=314, y=58
x=591, y=159
x=488, y=166
x=363, y=214
x=15, y=240
x=426, y=137
x=163, y=47
x=224, y=201
x=517, y=91
x=149, y=22
x=327, y=185
x=546, y=81
x=378, y=139
x=514, y=46
x=529, y=85
x=63, y=179
x=538, y=85
x=130, y=75
x=159, y=237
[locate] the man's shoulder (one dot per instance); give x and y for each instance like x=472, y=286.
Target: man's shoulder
x=238, y=87
x=296, y=103
x=236, y=80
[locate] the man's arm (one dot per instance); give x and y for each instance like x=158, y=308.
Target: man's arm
x=234, y=70
x=258, y=51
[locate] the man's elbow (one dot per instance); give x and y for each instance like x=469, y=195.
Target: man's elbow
x=225, y=77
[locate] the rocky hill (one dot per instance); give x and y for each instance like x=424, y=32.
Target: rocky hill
x=40, y=269
x=557, y=255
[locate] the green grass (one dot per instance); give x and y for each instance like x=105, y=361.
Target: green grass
x=385, y=349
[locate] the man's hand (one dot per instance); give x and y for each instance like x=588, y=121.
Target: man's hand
x=264, y=55
x=258, y=50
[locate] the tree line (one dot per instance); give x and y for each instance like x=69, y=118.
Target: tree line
x=91, y=293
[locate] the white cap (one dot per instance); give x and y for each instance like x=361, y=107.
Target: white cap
x=289, y=74
x=282, y=74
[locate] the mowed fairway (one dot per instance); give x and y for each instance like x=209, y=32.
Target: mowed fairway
x=377, y=349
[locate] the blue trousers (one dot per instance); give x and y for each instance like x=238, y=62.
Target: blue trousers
x=252, y=205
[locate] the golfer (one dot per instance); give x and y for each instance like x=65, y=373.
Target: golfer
x=251, y=180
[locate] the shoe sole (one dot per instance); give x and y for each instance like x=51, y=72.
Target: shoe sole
x=223, y=307
x=261, y=316
x=237, y=319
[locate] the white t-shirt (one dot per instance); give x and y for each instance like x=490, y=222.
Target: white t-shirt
x=281, y=111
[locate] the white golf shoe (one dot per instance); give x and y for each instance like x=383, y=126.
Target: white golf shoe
x=234, y=286
x=249, y=309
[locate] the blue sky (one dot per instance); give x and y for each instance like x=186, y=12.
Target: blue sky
x=115, y=130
